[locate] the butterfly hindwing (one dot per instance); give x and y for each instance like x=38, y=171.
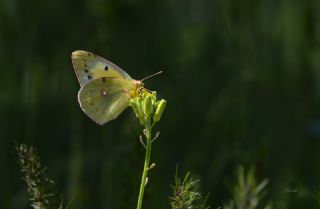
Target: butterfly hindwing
x=103, y=99
x=89, y=67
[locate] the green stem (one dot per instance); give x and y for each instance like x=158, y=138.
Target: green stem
x=146, y=166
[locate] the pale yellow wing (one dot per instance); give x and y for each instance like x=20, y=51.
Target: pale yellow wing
x=103, y=99
x=89, y=66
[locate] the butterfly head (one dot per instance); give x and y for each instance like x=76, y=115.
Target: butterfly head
x=138, y=85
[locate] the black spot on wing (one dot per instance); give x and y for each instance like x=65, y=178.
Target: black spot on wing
x=86, y=70
x=90, y=54
x=89, y=77
x=106, y=68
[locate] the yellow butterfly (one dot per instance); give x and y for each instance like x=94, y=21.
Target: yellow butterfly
x=106, y=89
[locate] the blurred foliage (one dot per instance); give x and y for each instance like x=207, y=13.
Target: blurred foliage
x=186, y=194
x=242, y=79
x=39, y=186
x=247, y=192
x=316, y=197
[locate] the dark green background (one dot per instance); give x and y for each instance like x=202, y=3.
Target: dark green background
x=242, y=81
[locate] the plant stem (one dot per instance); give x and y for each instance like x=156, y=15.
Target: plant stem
x=146, y=166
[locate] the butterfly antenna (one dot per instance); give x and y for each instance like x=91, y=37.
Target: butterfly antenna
x=151, y=75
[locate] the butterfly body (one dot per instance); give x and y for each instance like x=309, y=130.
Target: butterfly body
x=106, y=89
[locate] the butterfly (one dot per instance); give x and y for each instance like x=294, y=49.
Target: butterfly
x=106, y=89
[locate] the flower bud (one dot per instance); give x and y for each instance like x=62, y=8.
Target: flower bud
x=147, y=106
x=160, y=108
x=136, y=106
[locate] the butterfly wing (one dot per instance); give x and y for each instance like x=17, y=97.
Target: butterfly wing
x=103, y=99
x=89, y=66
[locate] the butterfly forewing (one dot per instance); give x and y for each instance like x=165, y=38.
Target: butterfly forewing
x=103, y=99
x=89, y=67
